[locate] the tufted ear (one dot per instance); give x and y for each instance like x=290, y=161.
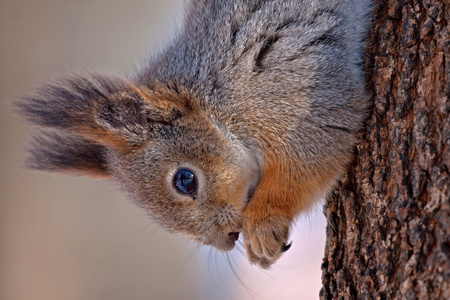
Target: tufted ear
x=83, y=117
x=108, y=110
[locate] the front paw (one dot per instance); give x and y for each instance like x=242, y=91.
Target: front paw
x=265, y=238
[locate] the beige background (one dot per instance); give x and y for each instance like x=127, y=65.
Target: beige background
x=64, y=237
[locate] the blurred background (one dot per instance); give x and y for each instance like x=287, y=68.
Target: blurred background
x=64, y=237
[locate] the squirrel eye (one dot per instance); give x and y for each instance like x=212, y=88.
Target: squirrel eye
x=185, y=182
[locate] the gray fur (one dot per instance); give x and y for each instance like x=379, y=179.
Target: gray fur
x=262, y=100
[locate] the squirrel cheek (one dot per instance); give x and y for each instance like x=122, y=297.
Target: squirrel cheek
x=243, y=189
x=240, y=194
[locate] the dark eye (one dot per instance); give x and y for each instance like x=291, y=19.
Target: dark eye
x=185, y=182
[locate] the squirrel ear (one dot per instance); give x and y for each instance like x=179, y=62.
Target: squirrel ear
x=137, y=110
x=104, y=109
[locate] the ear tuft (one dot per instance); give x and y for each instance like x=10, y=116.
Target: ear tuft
x=66, y=101
x=56, y=151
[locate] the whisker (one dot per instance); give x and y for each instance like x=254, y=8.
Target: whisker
x=220, y=286
x=143, y=229
x=237, y=265
x=247, y=289
x=209, y=269
x=217, y=268
x=267, y=274
x=241, y=251
x=309, y=218
x=188, y=258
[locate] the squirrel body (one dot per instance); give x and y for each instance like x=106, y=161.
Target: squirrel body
x=243, y=121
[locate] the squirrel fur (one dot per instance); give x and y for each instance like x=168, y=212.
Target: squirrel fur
x=259, y=102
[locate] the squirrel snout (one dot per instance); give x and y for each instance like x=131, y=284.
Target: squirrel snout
x=230, y=241
x=225, y=243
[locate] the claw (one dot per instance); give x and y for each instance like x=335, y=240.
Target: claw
x=285, y=247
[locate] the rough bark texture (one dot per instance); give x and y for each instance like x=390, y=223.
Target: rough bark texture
x=388, y=221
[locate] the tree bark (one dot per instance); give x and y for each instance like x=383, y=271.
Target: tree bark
x=389, y=218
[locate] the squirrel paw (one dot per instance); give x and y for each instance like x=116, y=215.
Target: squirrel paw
x=265, y=239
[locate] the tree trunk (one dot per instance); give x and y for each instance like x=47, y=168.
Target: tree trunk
x=388, y=220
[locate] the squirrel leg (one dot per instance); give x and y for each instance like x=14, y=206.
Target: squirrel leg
x=266, y=233
x=267, y=219
x=266, y=223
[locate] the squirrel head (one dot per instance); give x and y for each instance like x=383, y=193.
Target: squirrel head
x=191, y=174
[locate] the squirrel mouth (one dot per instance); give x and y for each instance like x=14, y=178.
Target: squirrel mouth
x=231, y=240
x=234, y=236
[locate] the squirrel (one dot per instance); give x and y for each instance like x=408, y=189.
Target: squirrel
x=242, y=122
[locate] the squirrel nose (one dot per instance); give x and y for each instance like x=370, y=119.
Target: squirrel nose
x=234, y=235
